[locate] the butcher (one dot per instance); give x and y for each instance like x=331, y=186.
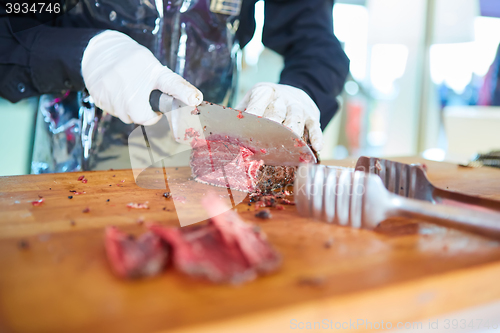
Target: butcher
x=95, y=63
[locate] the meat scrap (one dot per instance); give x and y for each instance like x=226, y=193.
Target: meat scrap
x=138, y=205
x=77, y=193
x=134, y=258
x=299, y=143
x=38, y=202
x=191, y=133
x=224, y=250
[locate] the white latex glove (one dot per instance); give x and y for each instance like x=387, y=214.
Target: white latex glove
x=285, y=104
x=120, y=74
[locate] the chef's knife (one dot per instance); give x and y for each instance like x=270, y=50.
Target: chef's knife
x=270, y=141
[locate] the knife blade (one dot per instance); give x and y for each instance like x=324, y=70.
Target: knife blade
x=270, y=141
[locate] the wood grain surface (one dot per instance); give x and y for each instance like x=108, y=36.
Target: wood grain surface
x=54, y=276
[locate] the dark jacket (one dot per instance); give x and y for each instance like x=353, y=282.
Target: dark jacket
x=46, y=58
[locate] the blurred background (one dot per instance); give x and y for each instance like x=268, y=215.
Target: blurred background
x=423, y=81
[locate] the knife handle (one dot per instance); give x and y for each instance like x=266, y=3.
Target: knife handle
x=160, y=102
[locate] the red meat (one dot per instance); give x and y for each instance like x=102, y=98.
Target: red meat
x=191, y=133
x=224, y=164
x=133, y=258
x=224, y=250
x=38, y=202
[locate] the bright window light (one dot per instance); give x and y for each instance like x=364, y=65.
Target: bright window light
x=350, y=24
x=487, y=35
x=388, y=63
x=454, y=64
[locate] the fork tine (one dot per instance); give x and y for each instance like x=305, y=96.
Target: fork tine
x=318, y=187
x=392, y=177
x=302, y=188
x=357, y=197
x=412, y=193
x=382, y=171
x=342, y=193
x=329, y=195
x=404, y=182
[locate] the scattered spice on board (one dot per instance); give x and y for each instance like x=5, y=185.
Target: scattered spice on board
x=328, y=244
x=23, y=244
x=264, y=214
x=86, y=210
x=287, y=202
x=70, y=197
x=271, y=200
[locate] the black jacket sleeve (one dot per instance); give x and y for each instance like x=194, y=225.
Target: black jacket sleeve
x=302, y=32
x=39, y=60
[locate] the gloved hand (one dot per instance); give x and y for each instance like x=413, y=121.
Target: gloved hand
x=120, y=74
x=285, y=104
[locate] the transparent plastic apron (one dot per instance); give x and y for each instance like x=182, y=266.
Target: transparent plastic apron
x=195, y=38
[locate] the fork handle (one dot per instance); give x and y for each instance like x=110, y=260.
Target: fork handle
x=457, y=199
x=479, y=221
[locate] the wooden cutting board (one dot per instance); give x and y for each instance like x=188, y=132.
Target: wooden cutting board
x=54, y=276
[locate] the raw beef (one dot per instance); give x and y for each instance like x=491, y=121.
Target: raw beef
x=224, y=164
x=133, y=258
x=221, y=161
x=224, y=250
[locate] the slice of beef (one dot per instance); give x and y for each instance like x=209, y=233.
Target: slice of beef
x=222, y=162
x=134, y=258
x=226, y=249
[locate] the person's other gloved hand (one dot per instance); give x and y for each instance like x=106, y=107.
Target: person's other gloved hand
x=120, y=74
x=285, y=104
